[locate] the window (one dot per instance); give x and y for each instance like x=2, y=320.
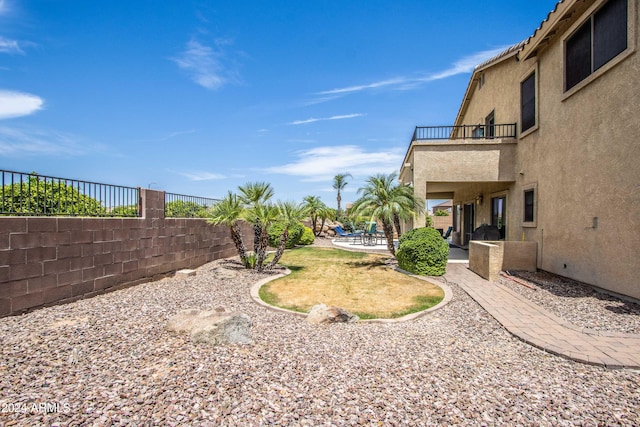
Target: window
x=528, y=102
x=490, y=124
x=600, y=39
x=529, y=204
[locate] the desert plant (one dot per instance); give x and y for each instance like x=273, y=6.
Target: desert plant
x=229, y=211
x=423, y=251
x=290, y=214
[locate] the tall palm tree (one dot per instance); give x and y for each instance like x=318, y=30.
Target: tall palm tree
x=382, y=200
x=314, y=206
x=339, y=182
x=228, y=211
x=290, y=213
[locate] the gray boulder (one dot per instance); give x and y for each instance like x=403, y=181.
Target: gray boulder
x=212, y=327
x=321, y=314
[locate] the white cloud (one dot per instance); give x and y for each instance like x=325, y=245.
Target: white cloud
x=311, y=120
x=461, y=66
x=200, y=175
x=17, y=104
x=15, y=142
x=322, y=163
x=205, y=64
x=9, y=46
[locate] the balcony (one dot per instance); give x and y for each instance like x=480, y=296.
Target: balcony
x=460, y=154
x=473, y=132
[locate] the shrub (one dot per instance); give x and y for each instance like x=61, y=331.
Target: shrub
x=307, y=237
x=295, y=232
x=423, y=251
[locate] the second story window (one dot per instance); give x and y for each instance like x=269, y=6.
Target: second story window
x=600, y=39
x=528, y=102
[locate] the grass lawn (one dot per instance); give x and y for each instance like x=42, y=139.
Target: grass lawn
x=358, y=282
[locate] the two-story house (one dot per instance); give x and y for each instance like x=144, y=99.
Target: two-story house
x=546, y=146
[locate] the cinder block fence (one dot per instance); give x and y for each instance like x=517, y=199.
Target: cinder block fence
x=48, y=260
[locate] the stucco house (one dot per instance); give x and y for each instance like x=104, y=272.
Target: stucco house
x=546, y=146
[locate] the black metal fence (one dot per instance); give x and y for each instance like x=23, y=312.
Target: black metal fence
x=465, y=132
x=39, y=195
x=183, y=206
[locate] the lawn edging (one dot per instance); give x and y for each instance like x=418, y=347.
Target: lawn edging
x=448, y=295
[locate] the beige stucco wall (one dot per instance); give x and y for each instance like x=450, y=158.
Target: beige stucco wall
x=584, y=160
x=581, y=158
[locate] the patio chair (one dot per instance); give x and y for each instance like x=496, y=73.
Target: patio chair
x=446, y=235
x=344, y=235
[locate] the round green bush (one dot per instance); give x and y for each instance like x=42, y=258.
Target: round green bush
x=295, y=232
x=307, y=237
x=423, y=251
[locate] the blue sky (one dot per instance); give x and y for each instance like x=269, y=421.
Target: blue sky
x=198, y=97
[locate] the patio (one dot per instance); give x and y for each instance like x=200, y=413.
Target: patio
x=456, y=254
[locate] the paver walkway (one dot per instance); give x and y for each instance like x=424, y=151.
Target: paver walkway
x=536, y=326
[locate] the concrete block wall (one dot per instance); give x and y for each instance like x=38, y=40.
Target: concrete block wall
x=47, y=260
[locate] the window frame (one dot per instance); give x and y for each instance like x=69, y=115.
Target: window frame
x=527, y=189
x=620, y=57
x=534, y=69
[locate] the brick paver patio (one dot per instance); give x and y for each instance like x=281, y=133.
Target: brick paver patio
x=536, y=326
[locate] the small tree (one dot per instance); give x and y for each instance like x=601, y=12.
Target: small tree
x=290, y=214
x=315, y=208
x=229, y=212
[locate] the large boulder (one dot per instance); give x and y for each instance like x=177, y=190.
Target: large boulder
x=320, y=314
x=212, y=327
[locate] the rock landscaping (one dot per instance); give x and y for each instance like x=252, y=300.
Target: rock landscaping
x=110, y=360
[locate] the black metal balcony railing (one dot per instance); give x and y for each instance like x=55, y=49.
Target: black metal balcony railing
x=182, y=206
x=39, y=195
x=465, y=132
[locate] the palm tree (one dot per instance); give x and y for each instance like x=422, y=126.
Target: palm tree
x=382, y=200
x=407, y=205
x=254, y=194
x=262, y=215
x=324, y=214
x=290, y=213
x=314, y=206
x=228, y=211
x=339, y=182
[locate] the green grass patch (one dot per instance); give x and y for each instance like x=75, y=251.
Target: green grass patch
x=358, y=282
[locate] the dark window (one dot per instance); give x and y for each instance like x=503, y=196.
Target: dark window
x=609, y=32
x=529, y=197
x=528, y=102
x=596, y=42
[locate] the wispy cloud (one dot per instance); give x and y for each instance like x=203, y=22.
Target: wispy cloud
x=16, y=142
x=4, y=7
x=322, y=163
x=10, y=46
x=17, y=104
x=311, y=120
x=461, y=66
x=206, y=65
x=199, y=175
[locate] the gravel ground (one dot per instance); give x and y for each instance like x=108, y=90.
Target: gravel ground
x=108, y=360
x=577, y=303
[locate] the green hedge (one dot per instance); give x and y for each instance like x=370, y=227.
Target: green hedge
x=295, y=232
x=307, y=237
x=423, y=251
